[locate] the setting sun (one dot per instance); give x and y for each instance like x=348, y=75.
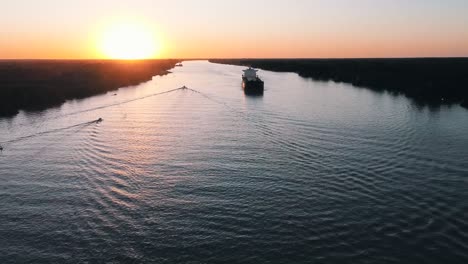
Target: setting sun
x=128, y=41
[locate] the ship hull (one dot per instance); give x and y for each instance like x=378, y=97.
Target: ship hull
x=252, y=86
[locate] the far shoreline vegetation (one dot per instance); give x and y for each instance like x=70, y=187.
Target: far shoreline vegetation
x=35, y=85
x=428, y=81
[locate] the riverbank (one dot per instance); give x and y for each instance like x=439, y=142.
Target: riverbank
x=432, y=81
x=34, y=85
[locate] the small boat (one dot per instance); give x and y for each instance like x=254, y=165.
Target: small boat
x=99, y=120
x=179, y=65
x=251, y=83
x=1, y=148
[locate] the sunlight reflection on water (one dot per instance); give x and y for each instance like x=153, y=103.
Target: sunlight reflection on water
x=311, y=171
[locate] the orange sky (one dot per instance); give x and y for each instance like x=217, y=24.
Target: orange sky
x=52, y=29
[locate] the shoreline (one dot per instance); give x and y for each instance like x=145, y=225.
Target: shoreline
x=36, y=85
x=427, y=81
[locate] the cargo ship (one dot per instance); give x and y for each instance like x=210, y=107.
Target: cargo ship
x=251, y=83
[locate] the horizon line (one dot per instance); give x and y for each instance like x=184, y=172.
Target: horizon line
x=236, y=58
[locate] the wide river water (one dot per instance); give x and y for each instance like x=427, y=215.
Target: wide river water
x=311, y=172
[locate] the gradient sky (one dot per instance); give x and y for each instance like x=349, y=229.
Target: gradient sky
x=241, y=28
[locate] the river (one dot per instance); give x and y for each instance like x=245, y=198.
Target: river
x=310, y=172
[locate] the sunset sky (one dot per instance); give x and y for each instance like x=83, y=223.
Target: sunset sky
x=52, y=29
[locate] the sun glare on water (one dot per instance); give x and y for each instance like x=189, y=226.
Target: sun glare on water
x=129, y=42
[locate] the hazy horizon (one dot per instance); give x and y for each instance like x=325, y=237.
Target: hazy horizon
x=231, y=58
x=235, y=29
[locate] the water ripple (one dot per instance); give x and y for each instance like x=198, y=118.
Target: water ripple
x=310, y=172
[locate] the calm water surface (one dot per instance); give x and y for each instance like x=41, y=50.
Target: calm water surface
x=312, y=172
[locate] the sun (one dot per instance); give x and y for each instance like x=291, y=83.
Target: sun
x=128, y=41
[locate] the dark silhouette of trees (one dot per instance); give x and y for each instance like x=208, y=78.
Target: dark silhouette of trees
x=428, y=81
x=36, y=85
